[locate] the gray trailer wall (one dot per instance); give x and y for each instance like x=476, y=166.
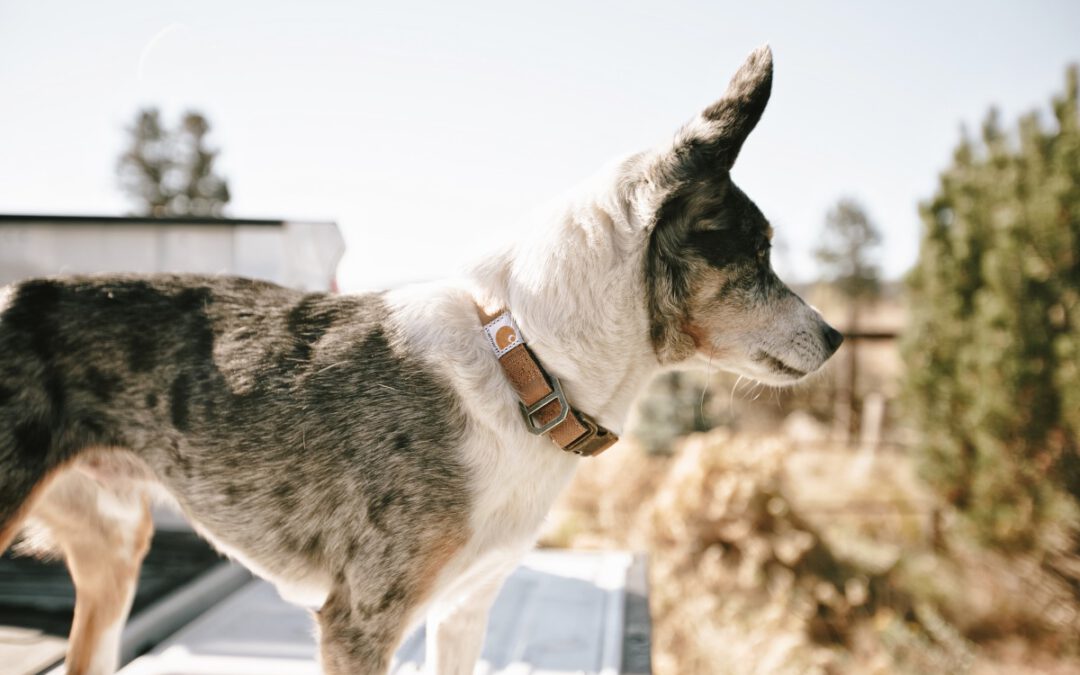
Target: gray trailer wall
x=301, y=255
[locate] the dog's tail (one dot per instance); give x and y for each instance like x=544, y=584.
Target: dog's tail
x=18, y=488
x=31, y=414
x=26, y=454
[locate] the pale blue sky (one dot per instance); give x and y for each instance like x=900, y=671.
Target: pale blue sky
x=428, y=129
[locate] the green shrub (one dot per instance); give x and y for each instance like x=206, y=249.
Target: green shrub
x=993, y=351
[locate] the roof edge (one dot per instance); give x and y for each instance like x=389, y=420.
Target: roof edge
x=11, y=218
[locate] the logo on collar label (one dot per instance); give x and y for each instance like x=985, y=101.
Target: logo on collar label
x=502, y=334
x=505, y=337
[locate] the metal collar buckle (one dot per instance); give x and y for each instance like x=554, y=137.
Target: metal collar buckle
x=528, y=412
x=595, y=440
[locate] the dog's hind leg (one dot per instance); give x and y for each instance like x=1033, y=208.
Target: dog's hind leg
x=104, y=534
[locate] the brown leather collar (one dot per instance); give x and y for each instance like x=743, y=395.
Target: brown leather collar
x=543, y=405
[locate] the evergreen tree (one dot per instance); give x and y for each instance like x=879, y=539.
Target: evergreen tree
x=993, y=351
x=846, y=254
x=847, y=258
x=171, y=172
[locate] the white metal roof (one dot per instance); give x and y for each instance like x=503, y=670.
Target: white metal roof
x=560, y=612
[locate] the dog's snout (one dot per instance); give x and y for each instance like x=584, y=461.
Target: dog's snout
x=833, y=338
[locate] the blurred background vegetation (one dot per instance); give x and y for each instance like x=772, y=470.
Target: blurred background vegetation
x=171, y=172
x=915, y=508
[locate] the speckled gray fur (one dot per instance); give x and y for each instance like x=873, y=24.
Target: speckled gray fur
x=295, y=427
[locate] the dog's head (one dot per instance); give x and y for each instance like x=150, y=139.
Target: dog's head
x=711, y=288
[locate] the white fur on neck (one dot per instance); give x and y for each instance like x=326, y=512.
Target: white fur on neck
x=576, y=287
x=575, y=284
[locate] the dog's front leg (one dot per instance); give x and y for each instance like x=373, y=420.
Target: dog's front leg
x=455, y=631
x=456, y=623
x=358, y=633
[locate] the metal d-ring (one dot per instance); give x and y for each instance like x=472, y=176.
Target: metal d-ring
x=529, y=411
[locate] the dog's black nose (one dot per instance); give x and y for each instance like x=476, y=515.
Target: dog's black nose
x=833, y=338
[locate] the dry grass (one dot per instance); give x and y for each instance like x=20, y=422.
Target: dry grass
x=764, y=559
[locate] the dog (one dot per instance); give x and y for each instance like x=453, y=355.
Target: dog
x=383, y=455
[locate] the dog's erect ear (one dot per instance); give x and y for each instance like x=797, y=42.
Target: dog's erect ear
x=712, y=140
x=733, y=117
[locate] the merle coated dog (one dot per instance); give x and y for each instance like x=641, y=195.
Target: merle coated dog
x=368, y=453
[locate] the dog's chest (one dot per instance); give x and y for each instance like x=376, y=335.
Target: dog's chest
x=514, y=476
x=516, y=490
